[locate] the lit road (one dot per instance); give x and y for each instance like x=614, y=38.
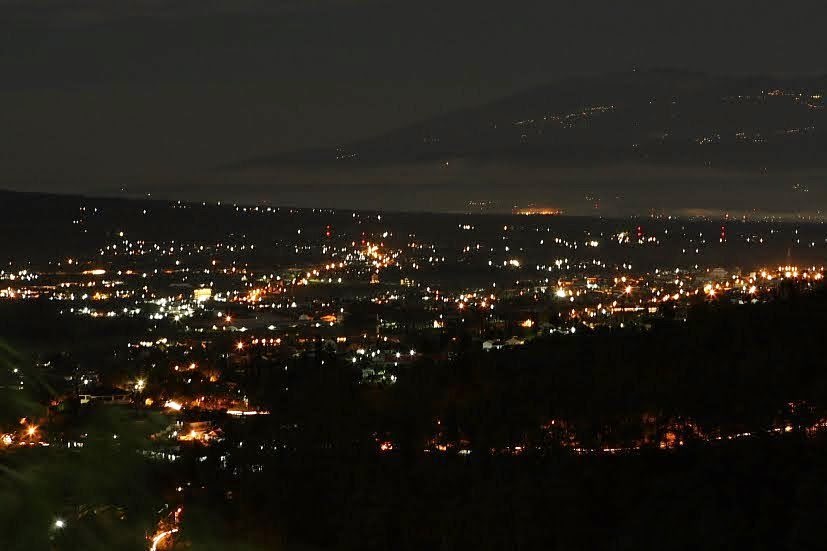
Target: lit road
x=160, y=537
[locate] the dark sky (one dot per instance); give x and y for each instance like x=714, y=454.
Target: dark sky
x=151, y=94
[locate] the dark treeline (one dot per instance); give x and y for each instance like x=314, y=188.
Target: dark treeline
x=47, y=325
x=762, y=494
x=729, y=367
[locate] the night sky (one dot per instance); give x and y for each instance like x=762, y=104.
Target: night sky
x=151, y=95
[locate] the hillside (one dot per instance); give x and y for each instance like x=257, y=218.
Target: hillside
x=661, y=116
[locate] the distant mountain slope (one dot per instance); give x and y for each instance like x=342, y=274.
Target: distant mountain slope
x=663, y=116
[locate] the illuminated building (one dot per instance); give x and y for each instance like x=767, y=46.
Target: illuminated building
x=202, y=295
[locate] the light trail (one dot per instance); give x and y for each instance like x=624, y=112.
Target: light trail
x=161, y=537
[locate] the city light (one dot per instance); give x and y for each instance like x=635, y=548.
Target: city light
x=158, y=538
x=451, y=311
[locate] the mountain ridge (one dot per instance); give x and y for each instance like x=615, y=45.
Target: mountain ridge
x=666, y=115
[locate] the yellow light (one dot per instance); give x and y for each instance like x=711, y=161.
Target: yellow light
x=240, y=346
x=158, y=538
x=31, y=430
